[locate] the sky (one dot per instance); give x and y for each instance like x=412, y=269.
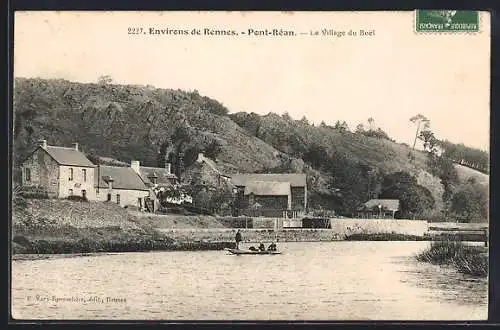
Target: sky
x=389, y=76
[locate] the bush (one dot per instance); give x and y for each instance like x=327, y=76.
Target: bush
x=466, y=259
x=476, y=265
x=34, y=192
x=21, y=240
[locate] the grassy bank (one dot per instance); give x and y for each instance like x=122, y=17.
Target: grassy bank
x=71, y=227
x=471, y=260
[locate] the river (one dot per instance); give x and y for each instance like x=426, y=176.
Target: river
x=309, y=281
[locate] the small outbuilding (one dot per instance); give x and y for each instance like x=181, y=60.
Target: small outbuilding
x=379, y=208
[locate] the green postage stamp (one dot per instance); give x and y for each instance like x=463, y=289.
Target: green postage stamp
x=447, y=21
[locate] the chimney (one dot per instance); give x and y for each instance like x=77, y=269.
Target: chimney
x=110, y=183
x=135, y=165
x=43, y=143
x=168, y=166
x=75, y=146
x=153, y=177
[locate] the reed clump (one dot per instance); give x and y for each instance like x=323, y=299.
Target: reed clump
x=467, y=259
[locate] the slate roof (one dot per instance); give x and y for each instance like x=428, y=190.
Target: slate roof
x=123, y=178
x=162, y=174
x=295, y=180
x=389, y=204
x=68, y=156
x=267, y=188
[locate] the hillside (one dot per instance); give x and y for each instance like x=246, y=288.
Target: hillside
x=128, y=122
x=297, y=136
x=124, y=123
x=464, y=173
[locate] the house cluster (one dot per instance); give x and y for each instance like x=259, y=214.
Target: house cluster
x=64, y=171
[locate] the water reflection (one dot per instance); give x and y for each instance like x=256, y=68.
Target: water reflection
x=317, y=281
x=443, y=283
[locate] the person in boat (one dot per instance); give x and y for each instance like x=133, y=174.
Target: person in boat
x=262, y=247
x=271, y=247
x=238, y=239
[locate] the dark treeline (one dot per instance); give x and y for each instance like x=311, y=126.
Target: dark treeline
x=470, y=157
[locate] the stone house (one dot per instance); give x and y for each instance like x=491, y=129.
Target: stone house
x=120, y=185
x=271, y=191
x=206, y=174
x=60, y=171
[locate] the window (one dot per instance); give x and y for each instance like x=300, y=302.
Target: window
x=71, y=192
x=84, y=173
x=117, y=198
x=27, y=174
x=84, y=193
x=70, y=174
x=109, y=197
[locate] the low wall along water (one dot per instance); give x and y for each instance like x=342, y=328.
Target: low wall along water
x=340, y=229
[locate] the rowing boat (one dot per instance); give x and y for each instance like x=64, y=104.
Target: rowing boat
x=236, y=251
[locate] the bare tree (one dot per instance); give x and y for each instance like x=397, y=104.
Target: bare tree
x=422, y=123
x=371, y=122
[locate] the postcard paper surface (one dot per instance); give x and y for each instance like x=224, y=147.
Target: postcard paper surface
x=250, y=165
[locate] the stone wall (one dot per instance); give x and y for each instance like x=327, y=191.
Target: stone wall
x=340, y=229
x=379, y=226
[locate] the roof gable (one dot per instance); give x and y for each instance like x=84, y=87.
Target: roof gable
x=267, y=188
x=123, y=178
x=68, y=156
x=389, y=204
x=163, y=176
x=295, y=180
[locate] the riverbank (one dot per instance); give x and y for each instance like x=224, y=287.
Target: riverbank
x=74, y=227
x=467, y=259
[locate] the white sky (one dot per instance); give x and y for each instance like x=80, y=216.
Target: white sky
x=391, y=76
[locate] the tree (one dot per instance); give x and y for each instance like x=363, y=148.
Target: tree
x=286, y=116
x=414, y=199
x=213, y=149
x=316, y=156
x=351, y=182
x=341, y=126
x=371, y=123
x=360, y=129
x=220, y=198
x=104, y=80
x=470, y=202
x=444, y=169
x=162, y=156
x=430, y=141
x=422, y=122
